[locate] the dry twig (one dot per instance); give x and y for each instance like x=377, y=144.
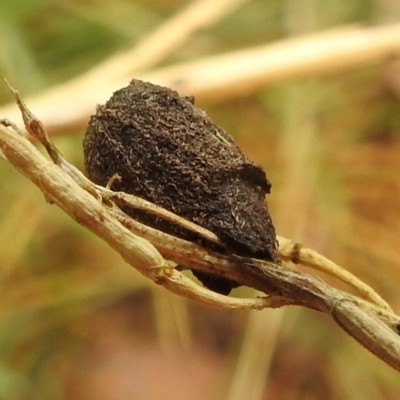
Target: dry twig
x=375, y=326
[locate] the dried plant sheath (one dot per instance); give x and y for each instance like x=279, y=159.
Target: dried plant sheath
x=169, y=152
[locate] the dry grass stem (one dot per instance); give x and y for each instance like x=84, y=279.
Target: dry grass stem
x=244, y=72
x=147, y=250
x=298, y=254
x=217, y=77
x=157, y=45
x=83, y=92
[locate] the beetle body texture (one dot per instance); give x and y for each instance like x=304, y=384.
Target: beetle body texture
x=169, y=152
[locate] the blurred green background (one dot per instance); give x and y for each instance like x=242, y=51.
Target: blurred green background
x=78, y=323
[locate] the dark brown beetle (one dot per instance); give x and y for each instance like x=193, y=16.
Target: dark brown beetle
x=169, y=152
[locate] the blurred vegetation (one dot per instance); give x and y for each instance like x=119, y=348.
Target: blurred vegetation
x=77, y=323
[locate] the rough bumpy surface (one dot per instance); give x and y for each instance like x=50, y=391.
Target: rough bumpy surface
x=169, y=152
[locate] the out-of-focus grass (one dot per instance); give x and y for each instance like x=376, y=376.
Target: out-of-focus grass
x=76, y=322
